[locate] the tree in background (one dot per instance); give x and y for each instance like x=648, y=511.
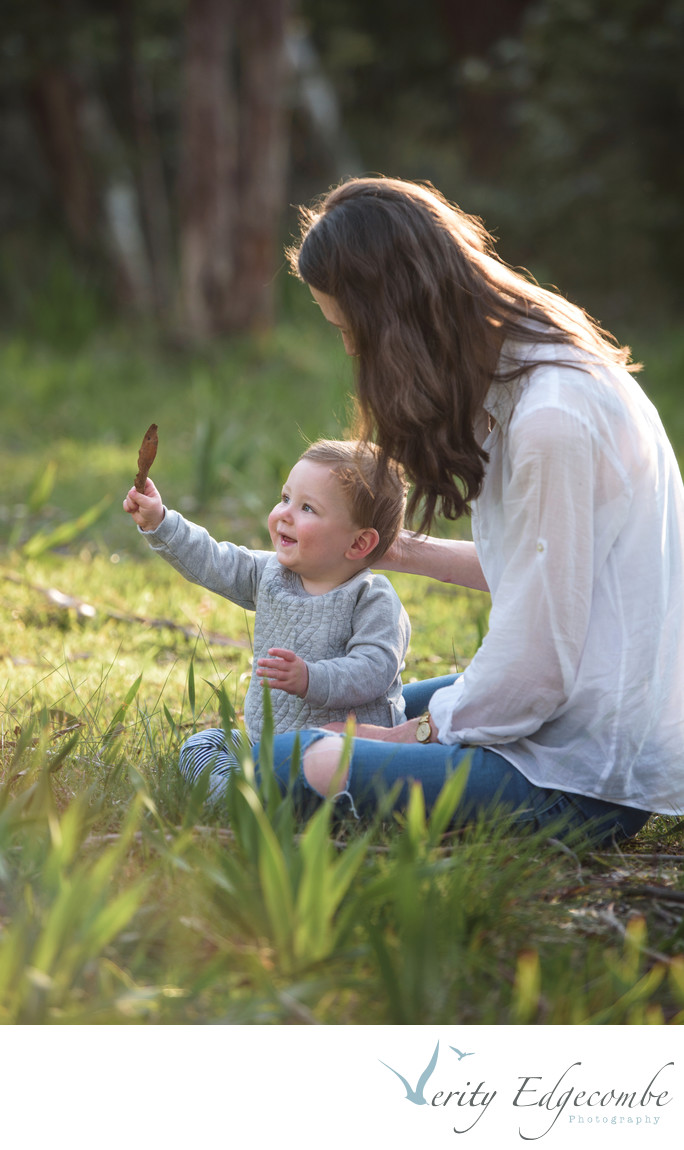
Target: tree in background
x=197, y=184
x=233, y=162
x=168, y=138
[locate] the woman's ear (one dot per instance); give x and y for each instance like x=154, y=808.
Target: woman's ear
x=364, y=542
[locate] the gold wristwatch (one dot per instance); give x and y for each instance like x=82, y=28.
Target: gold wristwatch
x=424, y=730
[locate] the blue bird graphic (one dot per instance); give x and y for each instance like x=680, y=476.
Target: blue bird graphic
x=460, y=1053
x=416, y=1096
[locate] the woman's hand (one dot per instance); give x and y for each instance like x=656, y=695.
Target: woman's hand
x=147, y=510
x=398, y=556
x=402, y=733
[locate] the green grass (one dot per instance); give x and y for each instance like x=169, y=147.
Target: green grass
x=121, y=898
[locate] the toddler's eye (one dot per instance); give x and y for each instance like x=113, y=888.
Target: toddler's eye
x=284, y=498
x=307, y=507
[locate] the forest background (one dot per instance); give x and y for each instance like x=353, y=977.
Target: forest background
x=153, y=153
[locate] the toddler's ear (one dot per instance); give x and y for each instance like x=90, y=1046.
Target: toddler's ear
x=365, y=541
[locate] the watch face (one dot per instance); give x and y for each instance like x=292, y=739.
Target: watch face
x=423, y=731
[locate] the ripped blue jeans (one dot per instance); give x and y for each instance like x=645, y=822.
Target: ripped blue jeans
x=376, y=767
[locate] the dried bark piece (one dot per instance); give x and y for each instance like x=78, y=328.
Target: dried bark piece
x=146, y=456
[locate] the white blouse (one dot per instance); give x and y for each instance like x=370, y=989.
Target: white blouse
x=580, y=533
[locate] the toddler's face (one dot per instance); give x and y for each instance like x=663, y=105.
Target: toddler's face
x=311, y=527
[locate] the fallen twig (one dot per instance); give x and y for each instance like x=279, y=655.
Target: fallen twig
x=660, y=857
x=661, y=892
x=297, y=1009
x=221, y=833
x=609, y=917
x=88, y=610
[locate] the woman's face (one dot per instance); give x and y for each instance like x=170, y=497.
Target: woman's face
x=335, y=316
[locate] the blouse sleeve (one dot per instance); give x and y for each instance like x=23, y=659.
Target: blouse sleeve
x=560, y=485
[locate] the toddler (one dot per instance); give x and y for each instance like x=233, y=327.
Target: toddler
x=330, y=637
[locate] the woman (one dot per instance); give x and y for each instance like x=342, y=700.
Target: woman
x=500, y=396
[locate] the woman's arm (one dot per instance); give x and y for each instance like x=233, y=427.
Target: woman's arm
x=402, y=733
x=448, y=560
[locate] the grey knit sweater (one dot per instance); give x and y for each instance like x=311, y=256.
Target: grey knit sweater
x=353, y=639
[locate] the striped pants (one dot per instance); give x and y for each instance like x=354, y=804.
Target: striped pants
x=212, y=750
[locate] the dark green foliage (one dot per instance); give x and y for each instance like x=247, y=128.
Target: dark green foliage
x=559, y=121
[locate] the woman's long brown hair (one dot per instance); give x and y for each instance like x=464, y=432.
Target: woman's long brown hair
x=428, y=303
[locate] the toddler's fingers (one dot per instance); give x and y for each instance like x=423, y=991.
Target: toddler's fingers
x=283, y=653
x=270, y=667
x=148, y=498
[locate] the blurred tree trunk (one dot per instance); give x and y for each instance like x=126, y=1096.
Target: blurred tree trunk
x=148, y=165
x=207, y=175
x=86, y=159
x=472, y=30
x=232, y=163
x=263, y=158
x=122, y=242
x=55, y=99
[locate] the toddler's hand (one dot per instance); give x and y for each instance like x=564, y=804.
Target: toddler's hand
x=282, y=670
x=147, y=509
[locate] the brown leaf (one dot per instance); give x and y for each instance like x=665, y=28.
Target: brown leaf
x=146, y=456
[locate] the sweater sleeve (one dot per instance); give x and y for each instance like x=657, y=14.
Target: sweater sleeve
x=231, y=571
x=375, y=651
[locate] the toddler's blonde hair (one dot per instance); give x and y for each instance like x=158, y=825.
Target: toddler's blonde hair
x=374, y=486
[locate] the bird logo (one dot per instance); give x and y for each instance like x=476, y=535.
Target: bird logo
x=461, y=1053
x=416, y=1095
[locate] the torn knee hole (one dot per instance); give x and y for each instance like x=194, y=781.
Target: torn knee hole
x=321, y=766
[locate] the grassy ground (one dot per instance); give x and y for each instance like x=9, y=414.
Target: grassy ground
x=121, y=898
